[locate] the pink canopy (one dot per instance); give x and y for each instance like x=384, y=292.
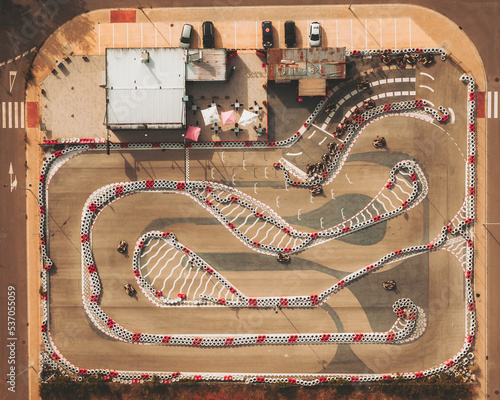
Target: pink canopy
x=193, y=133
x=228, y=117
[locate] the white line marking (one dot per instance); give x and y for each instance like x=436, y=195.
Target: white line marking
x=99, y=37
x=12, y=79
x=320, y=143
x=383, y=81
x=489, y=104
x=269, y=230
x=413, y=93
x=258, y=230
x=274, y=238
x=495, y=106
x=406, y=79
x=312, y=134
x=390, y=80
x=16, y=115
x=251, y=226
x=452, y=115
x=348, y=180
x=113, y=26
x=397, y=80
x=427, y=87
x=368, y=211
x=192, y=280
x=294, y=154
x=257, y=34
x=342, y=213
x=4, y=115
x=437, y=126
x=381, y=33
x=235, y=44
x=397, y=197
x=10, y=114
x=337, y=30
x=127, y=34
x=430, y=102
x=426, y=74
x=142, y=37
x=22, y=114
x=298, y=213
x=321, y=129
x=413, y=79
x=395, y=34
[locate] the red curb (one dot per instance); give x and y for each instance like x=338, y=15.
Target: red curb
x=32, y=112
x=121, y=16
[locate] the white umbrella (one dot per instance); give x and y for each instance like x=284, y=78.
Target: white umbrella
x=210, y=115
x=247, y=118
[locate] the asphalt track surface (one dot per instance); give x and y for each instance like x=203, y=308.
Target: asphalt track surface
x=478, y=19
x=442, y=302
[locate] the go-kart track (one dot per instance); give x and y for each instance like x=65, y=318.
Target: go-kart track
x=206, y=223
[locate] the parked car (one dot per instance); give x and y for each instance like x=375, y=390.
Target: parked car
x=186, y=36
x=314, y=34
x=267, y=34
x=290, y=39
x=208, y=35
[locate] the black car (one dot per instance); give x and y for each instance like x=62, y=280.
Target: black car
x=290, y=40
x=267, y=34
x=208, y=35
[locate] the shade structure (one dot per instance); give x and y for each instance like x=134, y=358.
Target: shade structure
x=247, y=118
x=228, y=117
x=193, y=133
x=210, y=115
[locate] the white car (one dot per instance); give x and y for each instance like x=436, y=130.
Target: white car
x=314, y=34
x=186, y=36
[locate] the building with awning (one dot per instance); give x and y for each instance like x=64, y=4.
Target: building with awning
x=310, y=66
x=146, y=88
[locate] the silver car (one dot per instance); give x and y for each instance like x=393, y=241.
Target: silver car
x=186, y=36
x=314, y=34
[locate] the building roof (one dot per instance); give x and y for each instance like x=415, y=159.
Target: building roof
x=309, y=63
x=145, y=90
x=206, y=65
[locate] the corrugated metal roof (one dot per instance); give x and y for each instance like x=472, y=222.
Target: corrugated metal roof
x=145, y=93
x=310, y=63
